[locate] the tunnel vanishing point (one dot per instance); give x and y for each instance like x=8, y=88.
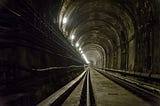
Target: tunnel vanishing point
x=45, y=44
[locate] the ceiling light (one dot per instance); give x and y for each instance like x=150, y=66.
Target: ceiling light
x=77, y=44
x=72, y=37
x=85, y=58
x=64, y=20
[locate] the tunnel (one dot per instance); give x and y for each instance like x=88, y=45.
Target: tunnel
x=106, y=52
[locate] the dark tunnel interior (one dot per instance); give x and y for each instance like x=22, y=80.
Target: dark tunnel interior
x=44, y=44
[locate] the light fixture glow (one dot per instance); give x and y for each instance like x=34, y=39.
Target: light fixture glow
x=80, y=49
x=77, y=44
x=72, y=37
x=64, y=20
x=85, y=58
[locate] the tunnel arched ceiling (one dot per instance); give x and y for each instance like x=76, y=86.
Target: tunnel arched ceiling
x=99, y=26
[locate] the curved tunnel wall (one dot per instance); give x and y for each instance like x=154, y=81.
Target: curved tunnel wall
x=124, y=29
x=117, y=34
x=103, y=24
x=128, y=31
x=96, y=54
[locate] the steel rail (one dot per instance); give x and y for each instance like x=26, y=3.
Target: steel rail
x=88, y=88
x=55, y=97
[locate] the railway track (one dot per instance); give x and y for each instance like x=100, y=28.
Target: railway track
x=97, y=88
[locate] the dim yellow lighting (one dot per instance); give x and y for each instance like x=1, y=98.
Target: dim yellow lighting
x=85, y=58
x=72, y=37
x=77, y=44
x=64, y=20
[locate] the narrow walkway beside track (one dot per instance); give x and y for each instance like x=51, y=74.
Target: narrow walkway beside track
x=108, y=93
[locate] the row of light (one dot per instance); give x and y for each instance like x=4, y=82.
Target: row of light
x=77, y=44
x=83, y=55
